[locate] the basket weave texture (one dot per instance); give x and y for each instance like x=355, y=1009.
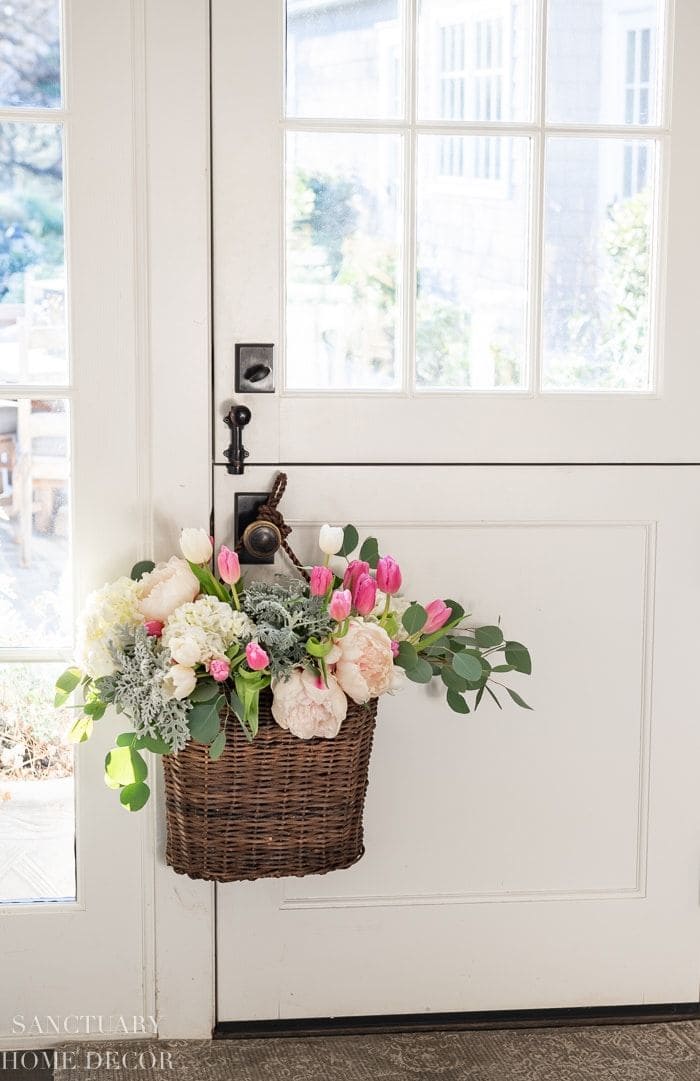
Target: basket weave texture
x=277, y=806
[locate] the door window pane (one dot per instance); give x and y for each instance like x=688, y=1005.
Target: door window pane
x=471, y=309
x=602, y=62
x=30, y=54
x=32, y=262
x=344, y=60
x=343, y=260
x=35, y=579
x=37, y=818
x=598, y=241
x=474, y=60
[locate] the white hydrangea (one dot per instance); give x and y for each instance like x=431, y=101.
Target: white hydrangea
x=107, y=620
x=201, y=630
x=399, y=604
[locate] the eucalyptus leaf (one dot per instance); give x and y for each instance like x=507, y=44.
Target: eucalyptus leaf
x=205, y=690
x=134, y=796
x=452, y=681
x=351, y=539
x=139, y=569
x=517, y=699
x=467, y=665
x=369, y=552
x=519, y=656
x=66, y=684
x=503, y=668
x=457, y=610
x=124, y=766
x=414, y=618
x=203, y=720
x=456, y=702
x=218, y=746
x=493, y=696
x=127, y=739
x=95, y=709
x=488, y=637
x=407, y=656
x=80, y=730
x=421, y=672
x=153, y=744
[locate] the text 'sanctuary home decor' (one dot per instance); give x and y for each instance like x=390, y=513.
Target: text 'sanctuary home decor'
x=262, y=696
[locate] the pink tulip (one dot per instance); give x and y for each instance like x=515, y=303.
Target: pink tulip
x=154, y=628
x=388, y=575
x=438, y=615
x=229, y=566
x=394, y=647
x=320, y=581
x=256, y=657
x=364, y=594
x=219, y=669
x=341, y=603
x=355, y=568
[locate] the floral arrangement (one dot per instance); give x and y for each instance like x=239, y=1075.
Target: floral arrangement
x=178, y=649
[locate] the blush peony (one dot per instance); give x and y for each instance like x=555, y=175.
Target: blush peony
x=303, y=704
x=167, y=587
x=365, y=662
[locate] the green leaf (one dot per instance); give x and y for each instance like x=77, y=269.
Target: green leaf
x=369, y=552
x=203, y=720
x=65, y=685
x=456, y=702
x=80, y=730
x=134, y=796
x=420, y=672
x=493, y=696
x=153, y=744
x=414, y=618
x=351, y=539
x=452, y=681
x=318, y=649
x=479, y=696
x=488, y=637
x=407, y=656
x=127, y=739
x=95, y=709
x=503, y=668
x=205, y=690
x=517, y=699
x=139, y=569
x=124, y=766
x=461, y=641
x=218, y=746
x=457, y=610
x=235, y=703
x=208, y=582
x=468, y=666
x=519, y=656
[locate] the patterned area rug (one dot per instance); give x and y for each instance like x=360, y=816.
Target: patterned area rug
x=668, y=1052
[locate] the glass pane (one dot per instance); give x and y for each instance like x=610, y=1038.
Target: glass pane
x=474, y=60
x=37, y=820
x=343, y=260
x=30, y=55
x=598, y=235
x=472, y=208
x=344, y=60
x=32, y=266
x=35, y=579
x=604, y=61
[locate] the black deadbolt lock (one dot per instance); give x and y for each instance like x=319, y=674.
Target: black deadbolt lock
x=255, y=369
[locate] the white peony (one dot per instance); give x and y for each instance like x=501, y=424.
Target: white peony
x=108, y=618
x=201, y=630
x=166, y=587
x=179, y=681
x=365, y=664
x=307, y=707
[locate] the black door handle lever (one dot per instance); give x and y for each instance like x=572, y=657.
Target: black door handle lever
x=236, y=419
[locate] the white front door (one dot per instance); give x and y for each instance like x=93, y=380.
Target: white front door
x=74, y=870
x=469, y=229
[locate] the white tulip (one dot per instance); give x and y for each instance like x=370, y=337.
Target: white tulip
x=196, y=546
x=330, y=539
x=179, y=681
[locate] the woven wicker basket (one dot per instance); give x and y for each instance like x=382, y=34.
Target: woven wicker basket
x=275, y=807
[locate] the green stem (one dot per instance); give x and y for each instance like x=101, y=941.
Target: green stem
x=234, y=594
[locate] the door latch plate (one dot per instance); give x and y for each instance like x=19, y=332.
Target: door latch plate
x=255, y=373
x=245, y=512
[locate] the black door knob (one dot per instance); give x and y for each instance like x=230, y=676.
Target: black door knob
x=261, y=539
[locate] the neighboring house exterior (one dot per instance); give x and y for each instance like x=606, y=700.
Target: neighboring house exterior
x=473, y=193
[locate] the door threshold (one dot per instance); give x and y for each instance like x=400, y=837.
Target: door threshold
x=457, y=1022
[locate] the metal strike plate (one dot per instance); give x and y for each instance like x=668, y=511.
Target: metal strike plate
x=255, y=373
x=245, y=512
